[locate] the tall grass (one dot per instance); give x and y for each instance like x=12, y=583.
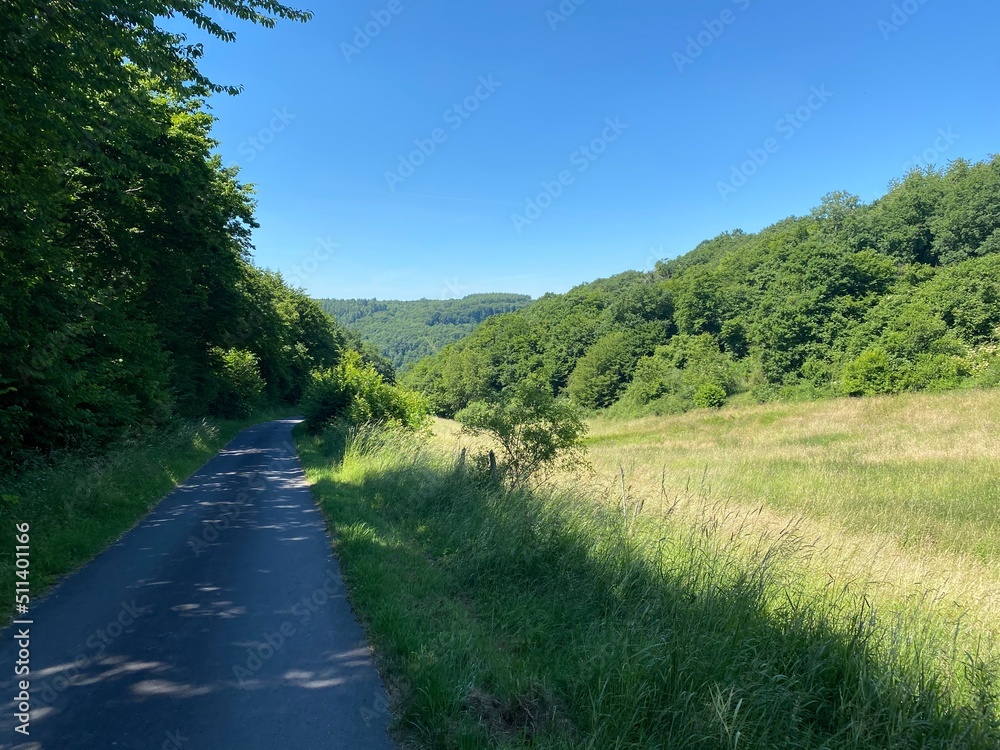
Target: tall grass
x=920, y=469
x=78, y=504
x=566, y=619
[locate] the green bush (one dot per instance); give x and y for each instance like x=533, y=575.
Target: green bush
x=936, y=372
x=602, y=372
x=710, y=396
x=238, y=382
x=984, y=364
x=669, y=381
x=870, y=374
x=357, y=394
x=989, y=376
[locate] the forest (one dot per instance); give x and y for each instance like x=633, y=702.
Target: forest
x=855, y=299
x=128, y=296
x=407, y=331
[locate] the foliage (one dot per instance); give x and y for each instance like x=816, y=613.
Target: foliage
x=670, y=380
x=239, y=384
x=853, y=298
x=356, y=393
x=534, y=431
x=709, y=396
x=602, y=372
x=127, y=295
x=407, y=331
x=870, y=374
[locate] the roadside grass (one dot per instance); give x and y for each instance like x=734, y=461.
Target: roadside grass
x=79, y=505
x=574, y=618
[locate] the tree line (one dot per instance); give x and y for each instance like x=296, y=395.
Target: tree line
x=854, y=299
x=128, y=296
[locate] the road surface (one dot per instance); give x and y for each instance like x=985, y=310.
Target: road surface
x=219, y=622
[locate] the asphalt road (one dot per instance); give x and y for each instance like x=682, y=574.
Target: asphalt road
x=219, y=622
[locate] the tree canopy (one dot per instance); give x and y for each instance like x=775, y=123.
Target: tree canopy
x=127, y=294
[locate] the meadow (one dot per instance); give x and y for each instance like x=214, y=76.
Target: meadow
x=817, y=575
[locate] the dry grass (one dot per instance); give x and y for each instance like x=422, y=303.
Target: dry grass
x=899, y=496
x=639, y=607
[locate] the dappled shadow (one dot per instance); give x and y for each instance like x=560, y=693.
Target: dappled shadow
x=222, y=618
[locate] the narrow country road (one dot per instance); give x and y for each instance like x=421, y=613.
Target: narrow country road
x=220, y=622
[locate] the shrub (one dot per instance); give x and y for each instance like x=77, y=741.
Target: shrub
x=984, y=364
x=710, y=396
x=668, y=382
x=358, y=394
x=602, y=372
x=936, y=372
x=870, y=374
x=534, y=430
x=326, y=397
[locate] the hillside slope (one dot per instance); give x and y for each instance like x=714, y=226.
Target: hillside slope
x=899, y=295
x=406, y=331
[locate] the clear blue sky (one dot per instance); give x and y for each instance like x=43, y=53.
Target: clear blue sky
x=886, y=92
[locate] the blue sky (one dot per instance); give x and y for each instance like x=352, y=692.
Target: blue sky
x=406, y=149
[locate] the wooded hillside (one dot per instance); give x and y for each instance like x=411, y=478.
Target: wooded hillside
x=853, y=299
x=406, y=331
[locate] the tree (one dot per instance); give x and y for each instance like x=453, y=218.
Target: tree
x=124, y=240
x=534, y=431
x=783, y=312
x=239, y=383
x=602, y=373
x=353, y=392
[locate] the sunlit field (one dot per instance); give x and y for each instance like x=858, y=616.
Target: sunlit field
x=919, y=470
x=809, y=575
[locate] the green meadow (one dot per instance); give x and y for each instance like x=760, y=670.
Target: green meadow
x=816, y=575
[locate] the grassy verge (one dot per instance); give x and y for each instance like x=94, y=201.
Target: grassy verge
x=77, y=506
x=558, y=620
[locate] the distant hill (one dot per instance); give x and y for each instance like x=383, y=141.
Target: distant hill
x=406, y=331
